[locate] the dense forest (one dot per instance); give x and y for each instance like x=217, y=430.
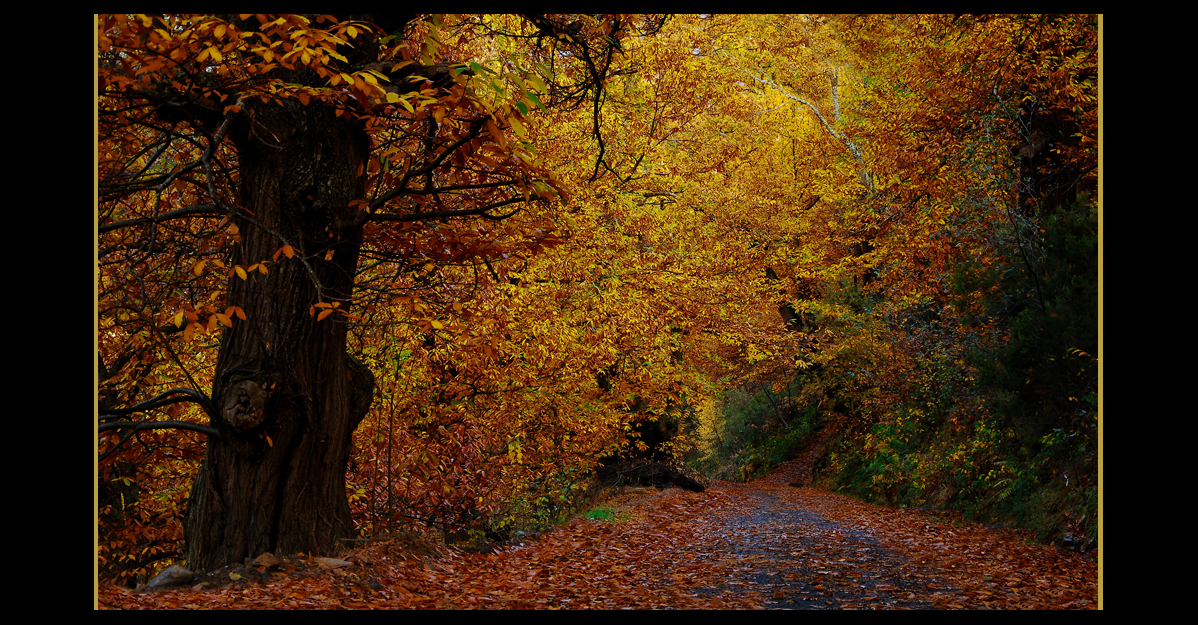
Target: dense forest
x=359, y=274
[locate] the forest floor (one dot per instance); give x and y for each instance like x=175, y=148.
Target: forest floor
x=741, y=546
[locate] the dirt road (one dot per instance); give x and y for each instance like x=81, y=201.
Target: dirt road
x=764, y=545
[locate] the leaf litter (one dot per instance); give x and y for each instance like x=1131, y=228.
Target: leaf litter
x=760, y=545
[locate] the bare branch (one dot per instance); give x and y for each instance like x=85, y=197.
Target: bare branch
x=208, y=210
x=466, y=212
x=862, y=172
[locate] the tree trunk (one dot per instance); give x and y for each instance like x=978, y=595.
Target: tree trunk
x=289, y=394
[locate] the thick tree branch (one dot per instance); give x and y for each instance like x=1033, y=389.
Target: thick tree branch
x=160, y=425
x=164, y=399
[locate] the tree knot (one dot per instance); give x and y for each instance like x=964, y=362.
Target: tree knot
x=245, y=405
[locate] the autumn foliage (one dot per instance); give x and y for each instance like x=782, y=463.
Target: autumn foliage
x=537, y=240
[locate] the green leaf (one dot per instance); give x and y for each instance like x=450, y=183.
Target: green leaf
x=478, y=67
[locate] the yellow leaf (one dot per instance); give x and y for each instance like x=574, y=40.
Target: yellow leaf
x=329, y=255
x=269, y=442
x=289, y=251
x=199, y=267
x=179, y=319
x=224, y=319
x=240, y=272
x=517, y=126
x=236, y=310
x=324, y=314
x=437, y=325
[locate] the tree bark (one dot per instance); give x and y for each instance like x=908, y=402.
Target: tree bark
x=290, y=396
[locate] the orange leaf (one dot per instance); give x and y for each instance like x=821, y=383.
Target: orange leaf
x=496, y=133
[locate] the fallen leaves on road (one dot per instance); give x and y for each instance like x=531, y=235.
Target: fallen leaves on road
x=731, y=547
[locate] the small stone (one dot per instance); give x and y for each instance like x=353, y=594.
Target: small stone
x=333, y=563
x=174, y=575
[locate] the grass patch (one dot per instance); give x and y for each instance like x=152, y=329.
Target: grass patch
x=605, y=514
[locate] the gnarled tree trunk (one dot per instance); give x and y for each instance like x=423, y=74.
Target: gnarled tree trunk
x=289, y=394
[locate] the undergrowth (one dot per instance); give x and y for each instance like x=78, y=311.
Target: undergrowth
x=748, y=433
x=985, y=405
